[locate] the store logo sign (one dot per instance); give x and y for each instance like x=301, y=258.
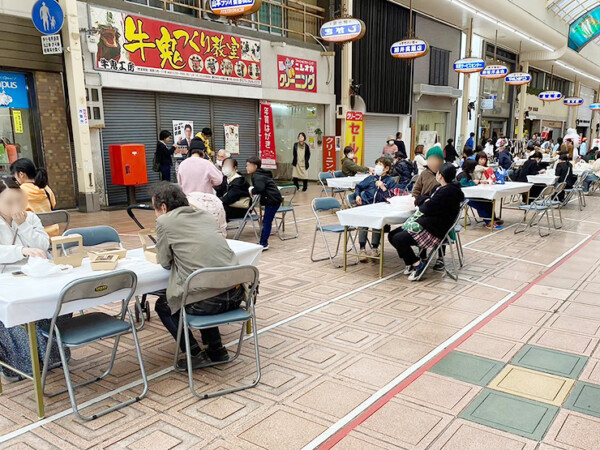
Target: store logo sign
x=234, y=8
x=518, y=78
x=550, y=96
x=409, y=49
x=469, y=65
x=573, y=101
x=595, y=106
x=343, y=30
x=13, y=90
x=494, y=72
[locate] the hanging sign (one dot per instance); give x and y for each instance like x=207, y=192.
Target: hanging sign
x=409, y=49
x=232, y=139
x=355, y=134
x=573, y=101
x=550, y=96
x=494, y=71
x=595, y=106
x=343, y=30
x=469, y=65
x=517, y=78
x=268, y=155
x=329, y=153
x=234, y=8
x=296, y=74
x=47, y=16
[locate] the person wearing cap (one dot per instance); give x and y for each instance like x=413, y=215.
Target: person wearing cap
x=427, y=179
x=196, y=174
x=206, y=135
x=390, y=149
x=584, y=147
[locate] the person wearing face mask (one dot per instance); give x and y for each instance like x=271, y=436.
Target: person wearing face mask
x=197, y=174
x=428, y=226
x=349, y=167
x=222, y=155
x=300, y=162
x=390, y=149
x=236, y=198
x=374, y=189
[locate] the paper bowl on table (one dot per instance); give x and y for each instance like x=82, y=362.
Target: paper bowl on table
x=119, y=252
x=105, y=262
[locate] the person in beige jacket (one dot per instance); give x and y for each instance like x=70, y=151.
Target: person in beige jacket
x=427, y=179
x=188, y=239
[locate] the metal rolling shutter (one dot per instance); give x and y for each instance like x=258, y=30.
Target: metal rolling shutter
x=130, y=117
x=183, y=107
x=243, y=112
x=377, y=129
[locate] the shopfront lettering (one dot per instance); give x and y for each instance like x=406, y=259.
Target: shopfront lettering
x=297, y=74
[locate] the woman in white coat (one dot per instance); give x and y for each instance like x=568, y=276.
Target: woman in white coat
x=21, y=236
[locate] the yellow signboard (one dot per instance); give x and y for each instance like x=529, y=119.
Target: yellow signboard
x=18, y=121
x=355, y=135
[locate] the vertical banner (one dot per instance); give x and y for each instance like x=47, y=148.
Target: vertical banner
x=232, y=139
x=329, y=154
x=355, y=134
x=268, y=154
x=18, y=121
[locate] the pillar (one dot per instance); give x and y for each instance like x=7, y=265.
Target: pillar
x=464, y=122
x=347, y=8
x=522, y=105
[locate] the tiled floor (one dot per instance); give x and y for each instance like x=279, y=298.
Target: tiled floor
x=334, y=344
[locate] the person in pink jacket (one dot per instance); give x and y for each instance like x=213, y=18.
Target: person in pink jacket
x=197, y=174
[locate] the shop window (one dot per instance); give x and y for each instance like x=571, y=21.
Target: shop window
x=165, y=5
x=270, y=16
x=439, y=64
x=537, y=79
x=93, y=96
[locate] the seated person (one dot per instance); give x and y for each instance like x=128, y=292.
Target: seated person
x=188, y=240
x=428, y=226
x=211, y=204
x=564, y=172
x=374, y=189
x=531, y=167
x=420, y=162
x=349, y=167
x=594, y=176
x=21, y=236
x=404, y=170
x=236, y=198
x=482, y=173
x=484, y=209
x=591, y=155
x=427, y=180
x=504, y=157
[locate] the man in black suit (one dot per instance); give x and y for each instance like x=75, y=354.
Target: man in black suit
x=162, y=156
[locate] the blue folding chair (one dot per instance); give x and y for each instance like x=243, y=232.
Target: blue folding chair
x=288, y=193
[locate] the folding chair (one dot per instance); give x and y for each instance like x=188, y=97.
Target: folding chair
x=288, y=193
x=59, y=217
x=331, y=205
x=219, y=279
x=252, y=216
x=457, y=229
x=81, y=330
x=540, y=208
x=555, y=203
x=351, y=200
x=577, y=190
x=323, y=176
x=413, y=180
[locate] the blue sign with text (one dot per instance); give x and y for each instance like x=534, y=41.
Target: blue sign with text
x=13, y=90
x=47, y=16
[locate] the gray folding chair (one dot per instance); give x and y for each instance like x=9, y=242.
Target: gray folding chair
x=217, y=280
x=540, y=207
x=59, y=217
x=81, y=330
x=577, y=191
x=252, y=216
x=325, y=189
x=555, y=203
x=288, y=193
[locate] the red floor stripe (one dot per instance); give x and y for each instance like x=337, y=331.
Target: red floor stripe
x=341, y=434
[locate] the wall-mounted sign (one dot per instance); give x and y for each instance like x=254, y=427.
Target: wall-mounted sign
x=268, y=154
x=329, y=158
x=518, y=78
x=595, y=106
x=355, y=134
x=494, y=71
x=51, y=44
x=550, y=96
x=234, y=8
x=584, y=29
x=135, y=44
x=296, y=74
x=487, y=104
x=573, y=101
x=13, y=90
x=47, y=16
x=409, y=49
x=232, y=138
x=469, y=65
x=343, y=30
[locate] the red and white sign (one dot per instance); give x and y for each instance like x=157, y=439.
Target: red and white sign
x=329, y=158
x=268, y=154
x=296, y=74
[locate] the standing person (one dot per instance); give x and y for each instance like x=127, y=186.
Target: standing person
x=206, y=135
x=489, y=148
x=301, y=162
x=470, y=141
x=390, y=149
x=349, y=167
x=188, y=239
x=162, y=156
x=583, y=148
x=270, y=197
x=196, y=174
x=236, y=197
x=400, y=144
x=420, y=162
x=450, y=153
x=34, y=182
x=427, y=180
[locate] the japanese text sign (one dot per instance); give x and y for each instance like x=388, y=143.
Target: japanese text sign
x=234, y=8
x=135, y=44
x=268, y=154
x=329, y=158
x=343, y=30
x=355, y=134
x=409, y=49
x=296, y=74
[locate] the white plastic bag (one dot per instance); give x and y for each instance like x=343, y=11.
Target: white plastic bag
x=40, y=267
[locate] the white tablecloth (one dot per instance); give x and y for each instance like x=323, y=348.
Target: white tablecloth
x=380, y=214
x=495, y=191
x=345, y=182
x=547, y=179
x=545, y=159
x=27, y=299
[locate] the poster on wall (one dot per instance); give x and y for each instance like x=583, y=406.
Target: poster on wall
x=355, y=134
x=427, y=139
x=296, y=74
x=134, y=44
x=268, y=154
x=329, y=159
x=183, y=132
x=232, y=139
x=13, y=90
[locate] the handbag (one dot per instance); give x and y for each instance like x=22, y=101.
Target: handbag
x=241, y=203
x=411, y=223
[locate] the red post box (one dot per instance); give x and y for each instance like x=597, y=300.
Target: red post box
x=128, y=164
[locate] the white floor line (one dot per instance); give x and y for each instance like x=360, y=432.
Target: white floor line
x=583, y=221
x=388, y=387
x=579, y=244
x=490, y=234
x=506, y=256
x=572, y=232
x=487, y=285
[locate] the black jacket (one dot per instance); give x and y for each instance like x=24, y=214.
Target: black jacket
x=306, y=155
x=404, y=170
x=450, y=153
x=401, y=148
x=440, y=209
x=265, y=186
x=505, y=159
x=236, y=190
x=163, y=154
x=530, y=167
x=222, y=189
x=564, y=172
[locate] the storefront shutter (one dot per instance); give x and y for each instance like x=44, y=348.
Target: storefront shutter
x=194, y=108
x=242, y=112
x=130, y=118
x=377, y=129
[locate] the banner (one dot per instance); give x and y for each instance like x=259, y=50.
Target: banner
x=268, y=154
x=135, y=44
x=329, y=159
x=355, y=135
x=232, y=139
x=296, y=74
